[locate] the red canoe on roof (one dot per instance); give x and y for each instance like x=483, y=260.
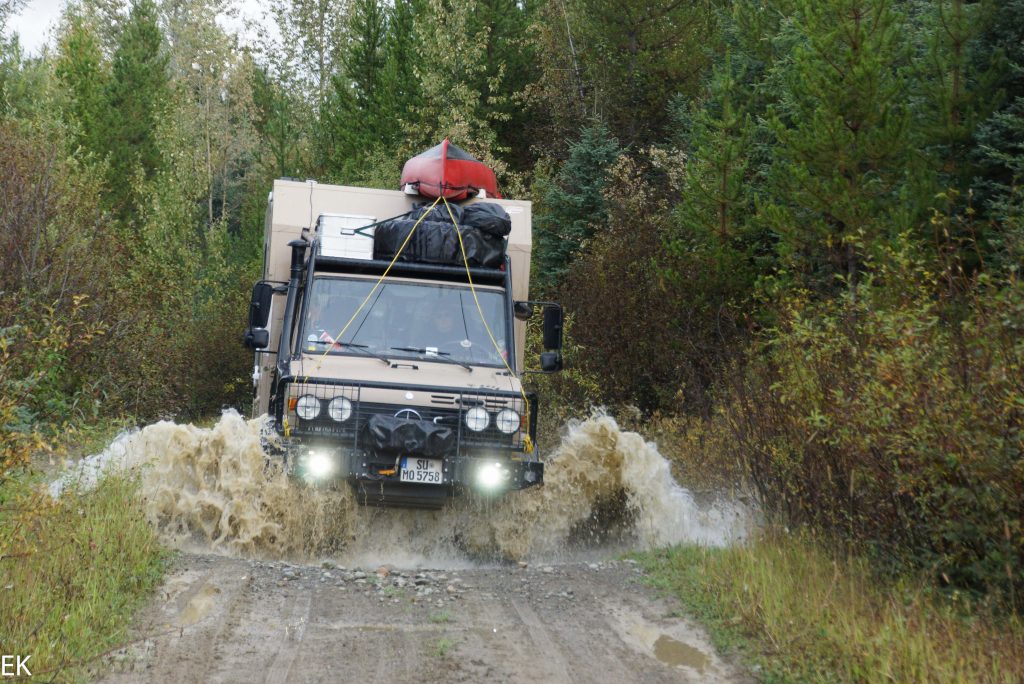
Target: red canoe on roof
x=448, y=170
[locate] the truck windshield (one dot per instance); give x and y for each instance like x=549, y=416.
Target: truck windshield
x=405, y=320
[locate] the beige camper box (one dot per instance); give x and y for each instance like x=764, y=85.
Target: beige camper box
x=335, y=225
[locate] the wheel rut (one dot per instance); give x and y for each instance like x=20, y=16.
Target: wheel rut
x=231, y=620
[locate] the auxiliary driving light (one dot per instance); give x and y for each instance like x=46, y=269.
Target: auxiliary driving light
x=490, y=475
x=340, y=409
x=477, y=419
x=507, y=421
x=319, y=465
x=307, y=407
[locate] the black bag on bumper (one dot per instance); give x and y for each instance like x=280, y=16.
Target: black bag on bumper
x=404, y=436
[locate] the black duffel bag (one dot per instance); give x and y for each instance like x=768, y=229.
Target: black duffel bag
x=488, y=217
x=438, y=213
x=436, y=242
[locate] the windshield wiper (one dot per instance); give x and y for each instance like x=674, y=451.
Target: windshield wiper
x=441, y=356
x=365, y=348
x=361, y=347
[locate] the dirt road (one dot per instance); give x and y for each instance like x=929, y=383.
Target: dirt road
x=220, y=619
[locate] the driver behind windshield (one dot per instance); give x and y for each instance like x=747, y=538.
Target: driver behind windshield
x=324, y=319
x=444, y=333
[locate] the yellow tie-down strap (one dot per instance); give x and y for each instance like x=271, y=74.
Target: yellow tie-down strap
x=527, y=442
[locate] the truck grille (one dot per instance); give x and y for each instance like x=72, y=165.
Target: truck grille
x=444, y=408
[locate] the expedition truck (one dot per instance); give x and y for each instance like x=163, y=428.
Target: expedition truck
x=402, y=375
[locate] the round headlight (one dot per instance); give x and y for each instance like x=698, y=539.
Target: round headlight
x=307, y=407
x=507, y=421
x=477, y=419
x=340, y=409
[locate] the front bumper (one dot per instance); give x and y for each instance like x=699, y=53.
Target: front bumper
x=488, y=461
x=493, y=471
x=377, y=482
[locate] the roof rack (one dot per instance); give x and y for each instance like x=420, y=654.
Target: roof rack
x=482, y=276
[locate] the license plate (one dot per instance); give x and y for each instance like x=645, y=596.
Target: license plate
x=425, y=470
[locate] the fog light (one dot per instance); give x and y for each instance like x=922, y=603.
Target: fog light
x=507, y=421
x=490, y=475
x=307, y=407
x=477, y=419
x=340, y=409
x=319, y=465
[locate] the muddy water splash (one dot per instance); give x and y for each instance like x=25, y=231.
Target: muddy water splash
x=211, y=487
x=599, y=467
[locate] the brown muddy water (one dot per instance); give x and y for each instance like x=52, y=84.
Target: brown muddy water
x=210, y=489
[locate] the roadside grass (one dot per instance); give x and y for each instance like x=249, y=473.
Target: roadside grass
x=797, y=614
x=444, y=644
x=75, y=571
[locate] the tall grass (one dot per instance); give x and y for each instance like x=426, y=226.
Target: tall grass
x=80, y=568
x=802, y=615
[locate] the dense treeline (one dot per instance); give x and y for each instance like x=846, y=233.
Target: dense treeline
x=799, y=223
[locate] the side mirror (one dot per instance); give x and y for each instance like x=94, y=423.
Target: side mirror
x=523, y=311
x=553, y=327
x=256, y=338
x=259, y=306
x=551, y=362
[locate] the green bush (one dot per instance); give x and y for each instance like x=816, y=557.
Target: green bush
x=892, y=417
x=655, y=318
x=38, y=393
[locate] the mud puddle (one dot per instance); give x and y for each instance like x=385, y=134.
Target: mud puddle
x=678, y=654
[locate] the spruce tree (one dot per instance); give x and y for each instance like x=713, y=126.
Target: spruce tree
x=278, y=122
x=717, y=140
x=1001, y=137
x=356, y=118
x=714, y=244
x=363, y=57
x=638, y=55
x=510, y=67
x=374, y=94
x=84, y=76
x=574, y=207
x=840, y=171
x=137, y=96
x=957, y=89
x=403, y=89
